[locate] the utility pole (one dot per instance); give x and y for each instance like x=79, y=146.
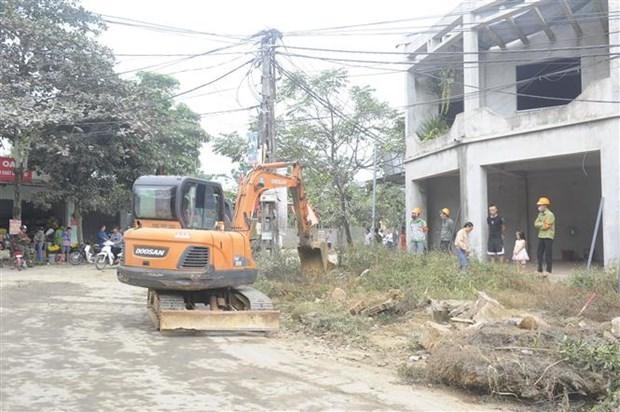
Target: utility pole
x=273, y=211
x=266, y=118
x=374, y=189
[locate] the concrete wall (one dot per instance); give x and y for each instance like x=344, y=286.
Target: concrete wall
x=575, y=197
x=442, y=192
x=567, y=139
x=496, y=72
x=508, y=193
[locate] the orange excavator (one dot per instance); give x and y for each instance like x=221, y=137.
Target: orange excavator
x=194, y=255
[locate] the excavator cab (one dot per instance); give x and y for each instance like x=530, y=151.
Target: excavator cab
x=187, y=202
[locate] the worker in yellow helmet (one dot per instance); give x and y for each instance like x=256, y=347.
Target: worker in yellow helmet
x=545, y=223
x=419, y=229
x=447, y=230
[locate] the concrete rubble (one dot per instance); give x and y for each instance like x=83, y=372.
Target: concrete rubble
x=386, y=303
x=615, y=327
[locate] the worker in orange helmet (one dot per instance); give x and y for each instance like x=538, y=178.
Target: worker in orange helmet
x=419, y=229
x=447, y=230
x=545, y=223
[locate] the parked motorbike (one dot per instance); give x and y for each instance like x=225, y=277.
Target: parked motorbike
x=21, y=255
x=85, y=254
x=5, y=252
x=106, y=256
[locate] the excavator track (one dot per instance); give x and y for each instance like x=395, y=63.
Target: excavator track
x=241, y=309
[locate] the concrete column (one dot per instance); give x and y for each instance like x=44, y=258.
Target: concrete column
x=614, y=38
x=471, y=66
x=474, y=199
x=610, y=190
x=610, y=153
x=415, y=197
x=410, y=120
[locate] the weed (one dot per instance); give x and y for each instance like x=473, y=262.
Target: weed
x=412, y=374
x=602, y=358
x=283, y=266
x=327, y=320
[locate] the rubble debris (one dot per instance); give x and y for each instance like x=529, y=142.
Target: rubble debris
x=388, y=302
x=477, y=366
x=615, y=327
x=462, y=320
x=487, y=309
x=381, y=307
x=357, y=307
x=440, y=311
x=338, y=295
x=432, y=334
x=460, y=307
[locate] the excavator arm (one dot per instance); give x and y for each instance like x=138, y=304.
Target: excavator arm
x=312, y=252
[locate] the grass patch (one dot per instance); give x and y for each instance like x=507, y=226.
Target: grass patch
x=434, y=275
x=307, y=307
x=329, y=321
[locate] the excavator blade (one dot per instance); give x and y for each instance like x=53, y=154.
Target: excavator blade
x=313, y=259
x=248, y=310
x=220, y=321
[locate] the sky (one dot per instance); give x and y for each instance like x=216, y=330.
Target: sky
x=243, y=18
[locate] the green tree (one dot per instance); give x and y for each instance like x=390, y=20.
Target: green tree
x=94, y=163
x=236, y=148
x=170, y=134
x=333, y=128
x=52, y=73
x=68, y=114
x=390, y=204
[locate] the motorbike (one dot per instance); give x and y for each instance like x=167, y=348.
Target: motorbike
x=85, y=254
x=21, y=255
x=19, y=259
x=106, y=256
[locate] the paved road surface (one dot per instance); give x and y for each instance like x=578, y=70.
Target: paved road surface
x=74, y=339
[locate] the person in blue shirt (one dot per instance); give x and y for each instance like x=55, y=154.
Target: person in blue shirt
x=102, y=236
x=117, y=238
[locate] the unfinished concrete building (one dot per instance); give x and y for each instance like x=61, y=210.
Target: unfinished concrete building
x=515, y=99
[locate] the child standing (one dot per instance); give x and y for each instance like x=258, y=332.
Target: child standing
x=519, y=253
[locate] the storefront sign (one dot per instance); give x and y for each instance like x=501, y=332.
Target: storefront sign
x=14, y=226
x=7, y=171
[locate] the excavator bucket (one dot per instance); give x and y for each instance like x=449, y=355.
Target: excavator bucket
x=313, y=258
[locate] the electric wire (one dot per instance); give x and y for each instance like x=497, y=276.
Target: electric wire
x=241, y=109
x=409, y=63
x=200, y=86
x=432, y=28
x=157, y=26
x=183, y=59
x=449, y=53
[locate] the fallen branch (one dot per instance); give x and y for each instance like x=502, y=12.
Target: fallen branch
x=523, y=348
x=588, y=302
x=505, y=394
x=547, y=368
x=462, y=320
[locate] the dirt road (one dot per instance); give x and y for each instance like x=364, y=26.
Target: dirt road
x=75, y=339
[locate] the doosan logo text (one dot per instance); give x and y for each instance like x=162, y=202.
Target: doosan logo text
x=149, y=252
